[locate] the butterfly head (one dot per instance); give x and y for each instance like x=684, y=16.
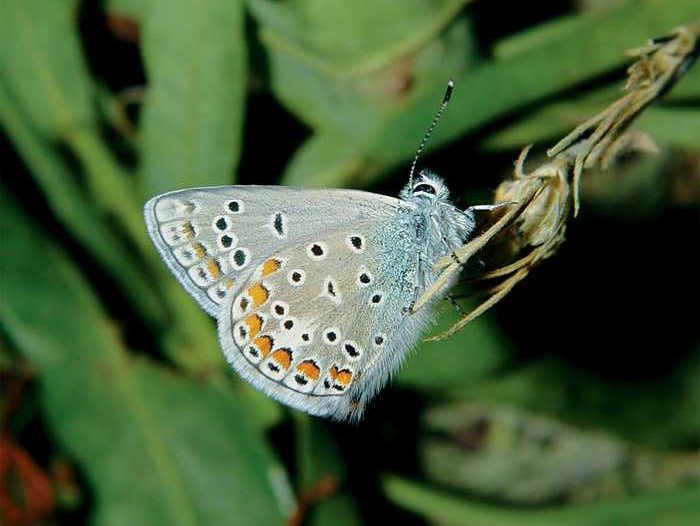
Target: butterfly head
x=427, y=187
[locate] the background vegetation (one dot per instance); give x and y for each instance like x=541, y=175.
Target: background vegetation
x=575, y=401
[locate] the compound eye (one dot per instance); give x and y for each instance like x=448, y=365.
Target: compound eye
x=425, y=188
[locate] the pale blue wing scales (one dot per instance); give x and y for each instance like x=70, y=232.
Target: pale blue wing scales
x=213, y=238
x=321, y=325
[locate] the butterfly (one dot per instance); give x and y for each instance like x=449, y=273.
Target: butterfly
x=312, y=289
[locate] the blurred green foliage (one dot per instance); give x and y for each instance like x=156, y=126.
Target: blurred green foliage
x=104, y=104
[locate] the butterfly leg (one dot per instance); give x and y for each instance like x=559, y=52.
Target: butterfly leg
x=489, y=208
x=454, y=261
x=422, y=261
x=457, y=306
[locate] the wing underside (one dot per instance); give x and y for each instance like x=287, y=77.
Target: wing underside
x=320, y=325
x=213, y=238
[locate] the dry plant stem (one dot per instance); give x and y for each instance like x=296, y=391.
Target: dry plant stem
x=658, y=67
x=455, y=261
x=544, y=198
x=531, y=188
x=326, y=486
x=118, y=109
x=498, y=294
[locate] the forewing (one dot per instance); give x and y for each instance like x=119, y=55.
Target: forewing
x=213, y=238
x=321, y=324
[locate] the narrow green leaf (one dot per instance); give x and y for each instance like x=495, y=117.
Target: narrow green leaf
x=503, y=453
x=664, y=412
x=339, y=37
x=325, y=159
x=472, y=354
x=129, y=8
x=44, y=74
x=674, y=126
x=38, y=63
x=348, y=78
x=535, y=36
x=677, y=508
x=320, y=461
x=347, y=114
x=195, y=58
x=555, y=64
x=44, y=71
x=155, y=447
x=69, y=203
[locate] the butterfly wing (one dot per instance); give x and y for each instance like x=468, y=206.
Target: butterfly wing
x=213, y=238
x=321, y=323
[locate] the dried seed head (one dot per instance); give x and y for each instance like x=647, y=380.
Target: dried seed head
x=534, y=226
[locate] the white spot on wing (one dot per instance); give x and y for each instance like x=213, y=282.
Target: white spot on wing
x=235, y=206
x=188, y=255
x=221, y=224
x=169, y=208
x=241, y=306
x=352, y=350
x=227, y=241
x=364, y=277
x=279, y=309
x=317, y=251
x=331, y=336
x=296, y=277
x=356, y=243
x=239, y=258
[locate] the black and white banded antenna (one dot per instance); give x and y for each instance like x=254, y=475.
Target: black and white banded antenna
x=445, y=101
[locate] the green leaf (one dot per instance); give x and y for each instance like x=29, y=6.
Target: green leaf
x=664, y=412
x=320, y=461
x=355, y=104
x=674, y=126
x=128, y=8
x=326, y=159
x=46, y=66
x=475, y=352
x=156, y=448
x=536, y=36
x=40, y=65
x=348, y=114
x=677, y=508
x=344, y=79
x=43, y=69
x=80, y=215
x=557, y=63
x=195, y=58
x=517, y=457
x=340, y=37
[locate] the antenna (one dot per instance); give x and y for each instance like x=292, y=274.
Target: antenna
x=445, y=101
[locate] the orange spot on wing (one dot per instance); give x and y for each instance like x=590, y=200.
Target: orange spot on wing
x=214, y=269
x=283, y=358
x=254, y=323
x=259, y=294
x=344, y=377
x=188, y=230
x=199, y=250
x=228, y=283
x=340, y=376
x=264, y=344
x=270, y=266
x=309, y=369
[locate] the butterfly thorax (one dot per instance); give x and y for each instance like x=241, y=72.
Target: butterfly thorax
x=438, y=226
